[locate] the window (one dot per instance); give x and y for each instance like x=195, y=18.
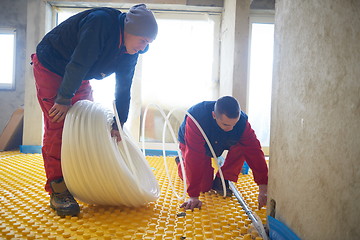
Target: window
x=260, y=78
x=178, y=70
x=7, y=58
x=179, y=64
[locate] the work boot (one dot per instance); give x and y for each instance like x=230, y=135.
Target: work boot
x=217, y=186
x=61, y=199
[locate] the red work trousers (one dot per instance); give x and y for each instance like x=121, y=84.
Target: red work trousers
x=47, y=85
x=230, y=170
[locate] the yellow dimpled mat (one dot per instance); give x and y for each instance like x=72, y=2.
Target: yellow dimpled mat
x=25, y=211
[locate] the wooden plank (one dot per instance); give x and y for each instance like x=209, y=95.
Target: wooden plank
x=11, y=137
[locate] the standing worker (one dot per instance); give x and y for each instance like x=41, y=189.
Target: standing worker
x=89, y=45
x=227, y=128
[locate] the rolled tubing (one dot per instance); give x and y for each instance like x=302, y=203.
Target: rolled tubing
x=97, y=169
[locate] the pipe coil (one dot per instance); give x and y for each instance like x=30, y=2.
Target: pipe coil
x=97, y=169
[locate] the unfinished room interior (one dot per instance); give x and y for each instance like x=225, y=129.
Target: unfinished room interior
x=293, y=67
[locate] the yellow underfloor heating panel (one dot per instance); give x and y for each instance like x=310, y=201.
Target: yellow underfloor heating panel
x=25, y=211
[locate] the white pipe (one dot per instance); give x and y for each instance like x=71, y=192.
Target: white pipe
x=167, y=122
x=96, y=169
x=207, y=142
x=125, y=145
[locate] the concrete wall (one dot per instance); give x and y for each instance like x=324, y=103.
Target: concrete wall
x=241, y=53
x=234, y=50
x=13, y=15
x=315, y=126
x=227, y=39
x=38, y=25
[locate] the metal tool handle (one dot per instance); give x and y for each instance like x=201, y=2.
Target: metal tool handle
x=253, y=217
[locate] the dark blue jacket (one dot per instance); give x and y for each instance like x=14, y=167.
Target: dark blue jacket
x=219, y=139
x=87, y=46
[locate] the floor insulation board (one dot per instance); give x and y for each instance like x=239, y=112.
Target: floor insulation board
x=25, y=211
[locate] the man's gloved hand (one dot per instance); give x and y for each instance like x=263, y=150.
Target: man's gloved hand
x=191, y=203
x=262, y=198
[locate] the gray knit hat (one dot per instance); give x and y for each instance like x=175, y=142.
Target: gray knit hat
x=140, y=21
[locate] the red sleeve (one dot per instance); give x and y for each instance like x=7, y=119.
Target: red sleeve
x=254, y=156
x=195, y=157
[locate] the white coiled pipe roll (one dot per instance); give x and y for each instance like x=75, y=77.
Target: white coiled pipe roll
x=96, y=169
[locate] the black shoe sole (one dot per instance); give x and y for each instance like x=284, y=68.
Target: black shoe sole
x=64, y=212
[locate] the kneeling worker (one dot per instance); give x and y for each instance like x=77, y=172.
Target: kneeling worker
x=227, y=128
